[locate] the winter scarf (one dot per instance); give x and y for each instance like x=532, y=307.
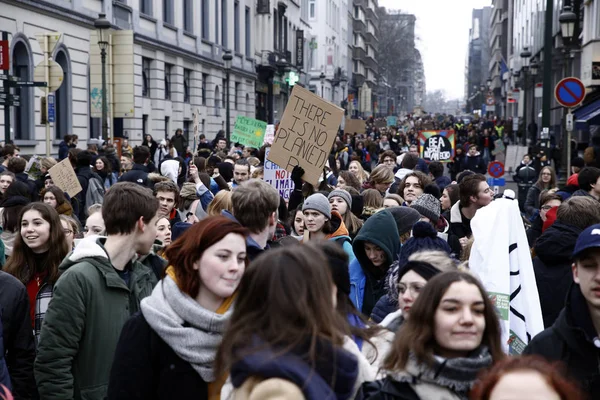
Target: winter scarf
x=456, y=374
x=193, y=332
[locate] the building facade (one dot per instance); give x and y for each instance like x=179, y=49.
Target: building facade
x=478, y=59
x=178, y=67
x=498, y=70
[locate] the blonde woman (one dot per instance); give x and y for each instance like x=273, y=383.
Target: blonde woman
x=381, y=179
x=357, y=170
x=222, y=201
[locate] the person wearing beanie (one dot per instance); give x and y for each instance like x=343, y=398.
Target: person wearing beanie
x=405, y=218
x=321, y=223
x=376, y=247
x=429, y=207
x=424, y=238
x=341, y=201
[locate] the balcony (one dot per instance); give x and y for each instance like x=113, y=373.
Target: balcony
x=370, y=38
x=359, y=78
x=359, y=25
x=370, y=62
x=371, y=14
x=361, y=3
x=359, y=53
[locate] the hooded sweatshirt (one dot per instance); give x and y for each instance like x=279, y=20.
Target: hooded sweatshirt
x=170, y=169
x=367, y=280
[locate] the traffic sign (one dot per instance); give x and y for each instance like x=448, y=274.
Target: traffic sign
x=8, y=96
x=496, y=169
x=496, y=182
x=4, y=58
x=490, y=101
x=55, y=74
x=569, y=122
x=51, y=108
x=569, y=92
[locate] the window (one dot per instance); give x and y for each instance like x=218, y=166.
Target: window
x=236, y=26
x=311, y=8
x=167, y=120
x=275, y=23
x=186, y=85
x=144, y=125
x=168, y=16
x=168, y=68
x=145, y=77
x=248, y=32
x=204, y=18
x=217, y=102
x=62, y=98
x=304, y=10
x=188, y=13
x=204, y=81
x=236, y=92
x=22, y=68
x=187, y=128
x=146, y=7
x=224, y=38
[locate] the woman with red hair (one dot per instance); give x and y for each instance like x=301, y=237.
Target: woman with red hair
x=167, y=350
x=527, y=377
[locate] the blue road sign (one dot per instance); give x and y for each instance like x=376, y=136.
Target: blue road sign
x=569, y=92
x=496, y=181
x=51, y=108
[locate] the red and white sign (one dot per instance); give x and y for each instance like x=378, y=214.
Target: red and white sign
x=4, y=60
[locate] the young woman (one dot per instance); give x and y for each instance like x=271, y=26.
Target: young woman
x=55, y=197
x=13, y=201
x=297, y=223
x=392, y=200
x=452, y=335
x=546, y=181
x=222, y=201
x=341, y=201
x=6, y=178
x=548, y=201
x=175, y=338
x=94, y=224
x=372, y=202
x=381, y=179
x=103, y=168
x=357, y=170
x=151, y=144
x=163, y=231
x=412, y=186
x=347, y=178
x=71, y=230
x=450, y=196
x=285, y=341
x=321, y=223
x=39, y=249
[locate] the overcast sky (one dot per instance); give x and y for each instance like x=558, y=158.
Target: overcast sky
x=442, y=37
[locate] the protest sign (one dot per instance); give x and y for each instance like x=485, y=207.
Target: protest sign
x=380, y=123
x=355, y=126
x=499, y=147
x=392, y=121
x=64, y=177
x=278, y=177
x=437, y=145
x=269, y=134
x=306, y=134
x=249, y=131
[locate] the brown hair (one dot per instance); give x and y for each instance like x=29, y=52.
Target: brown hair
x=107, y=165
x=387, y=153
x=423, y=179
x=222, y=201
x=553, y=373
x=124, y=204
x=381, y=174
x=372, y=198
x=417, y=335
x=16, y=165
x=253, y=202
x=189, y=247
x=22, y=263
x=579, y=211
x=396, y=197
x=168, y=187
x=547, y=196
x=47, y=162
x=62, y=205
x=284, y=300
x=469, y=187
x=350, y=180
x=552, y=184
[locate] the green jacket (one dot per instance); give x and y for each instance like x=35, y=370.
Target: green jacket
x=91, y=303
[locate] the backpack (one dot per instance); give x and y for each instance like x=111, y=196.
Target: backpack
x=95, y=192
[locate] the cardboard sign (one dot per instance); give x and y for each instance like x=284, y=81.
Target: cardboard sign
x=249, y=131
x=269, y=134
x=64, y=177
x=380, y=124
x=306, y=134
x=278, y=177
x=499, y=147
x=437, y=145
x=355, y=126
x=392, y=121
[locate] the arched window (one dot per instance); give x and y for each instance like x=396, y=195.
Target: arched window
x=217, y=102
x=22, y=121
x=63, y=96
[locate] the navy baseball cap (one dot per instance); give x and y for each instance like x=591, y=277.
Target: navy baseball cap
x=588, y=239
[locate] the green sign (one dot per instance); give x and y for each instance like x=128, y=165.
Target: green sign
x=249, y=131
x=292, y=78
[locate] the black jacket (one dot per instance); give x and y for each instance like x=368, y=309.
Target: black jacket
x=460, y=227
x=386, y=389
x=535, y=231
x=23, y=177
x=138, y=174
x=84, y=174
x=475, y=164
x=532, y=203
x=18, y=336
x=571, y=340
x=145, y=367
x=552, y=266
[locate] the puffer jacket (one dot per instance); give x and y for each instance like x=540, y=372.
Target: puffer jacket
x=90, y=306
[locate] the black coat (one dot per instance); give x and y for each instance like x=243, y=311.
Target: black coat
x=552, y=266
x=145, y=367
x=33, y=192
x=475, y=164
x=138, y=174
x=386, y=389
x=570, y=340
x=18, y=337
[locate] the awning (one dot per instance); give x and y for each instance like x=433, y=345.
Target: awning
x=587, y=115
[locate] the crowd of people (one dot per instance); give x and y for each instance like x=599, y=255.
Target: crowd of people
x=178, y=272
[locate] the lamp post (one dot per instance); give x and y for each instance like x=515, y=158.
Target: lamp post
x=533, y=71
x=344, y=82
x=102, y=26
x=227, y=57
x=322, y=77
x=525, y=55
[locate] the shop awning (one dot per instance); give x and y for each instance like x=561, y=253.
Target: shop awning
x=587, y=115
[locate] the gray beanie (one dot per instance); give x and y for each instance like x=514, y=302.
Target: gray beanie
x=319, y=203
x=405, y=218
x=428, y=206
x=343, y=194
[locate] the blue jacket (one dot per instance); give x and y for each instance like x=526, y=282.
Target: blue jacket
x=381, y=230
x=63, y=151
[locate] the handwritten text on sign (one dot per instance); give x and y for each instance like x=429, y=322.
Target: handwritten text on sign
x=249, y=132
x=64, y=177
x=437, y=145
x=278, y=177
x=306, y=134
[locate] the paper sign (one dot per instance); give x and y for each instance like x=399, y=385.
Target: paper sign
x=64, y=177
x=499, y=147
x=437, y=145
x=249, y=131
x=355, y=126
x=278, y=177
x=269, y=134
x=306, y=134
x=392, y=121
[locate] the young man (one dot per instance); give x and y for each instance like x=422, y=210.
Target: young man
x=241, y=172
x=63, y=147
x=84, y=174
x=589, y=183
x=436, y=170
x=421, y=164
x=17, y=165
x=574, y=337
x=167, y=194
x=179, y=142
x=475, y=193
x=9, y=151
x=474, y=161
x=100, y=287
x=255, y=204
x=139, y=172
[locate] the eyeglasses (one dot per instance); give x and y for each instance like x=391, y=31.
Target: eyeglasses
x=413, y=288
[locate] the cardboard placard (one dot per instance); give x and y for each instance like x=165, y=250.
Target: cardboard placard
x=355, y=126
x=306, y=134
x=278, y=177
x=392, y=120
x=380, y=124
x=249, y=131
x=64, y=177
x=437, y=145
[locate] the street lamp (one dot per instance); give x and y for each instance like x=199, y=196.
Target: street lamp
x=525, y=56
x=102, y=26
x=322, y=77
x=567, y=20
x=227, y=57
